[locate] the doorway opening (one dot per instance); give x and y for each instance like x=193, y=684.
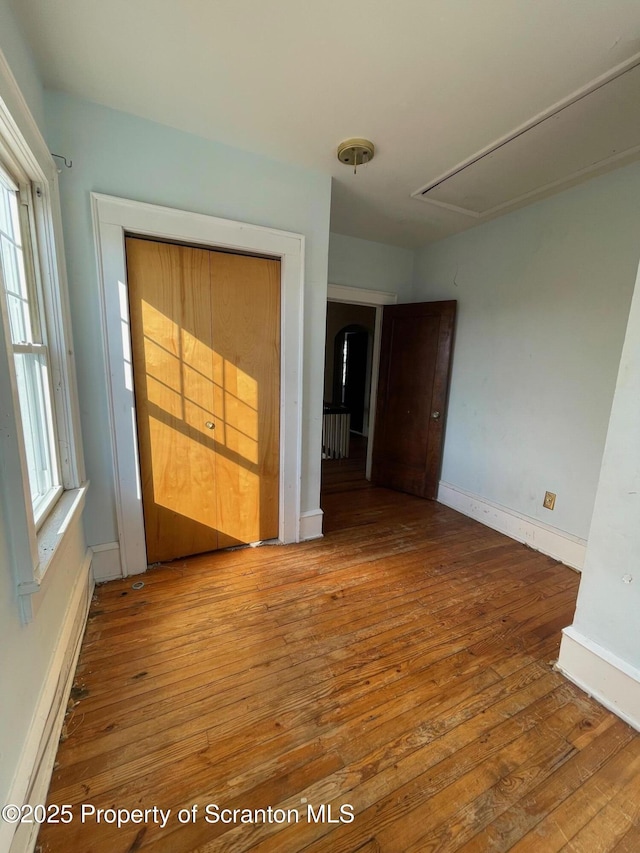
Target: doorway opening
x=347, y=416
x=351, y=369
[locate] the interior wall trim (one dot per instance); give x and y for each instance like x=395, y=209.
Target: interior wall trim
x=311, y=525
x=106, y=562
x=603, y=675
x=359, y=295
x=112, y=219
x=33, y=776
x=562, y=546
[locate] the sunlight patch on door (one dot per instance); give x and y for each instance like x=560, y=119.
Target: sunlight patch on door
x=203, y=429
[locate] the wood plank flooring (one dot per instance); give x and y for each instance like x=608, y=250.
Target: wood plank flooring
x=399, y=668
x=341, y=475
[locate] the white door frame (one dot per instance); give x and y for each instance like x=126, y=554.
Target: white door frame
x=374, y=299
x=113, y=218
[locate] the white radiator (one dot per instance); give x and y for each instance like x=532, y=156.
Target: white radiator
x=335, y=434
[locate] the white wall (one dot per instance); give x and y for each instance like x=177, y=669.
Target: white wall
x=543, y=298
x=371, y=266
x=122, y=155
x=601, y=650
x=608, y=609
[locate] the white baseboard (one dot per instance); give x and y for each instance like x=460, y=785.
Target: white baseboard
x=555, y=543
x=311, y=524
x=33, y=776
x=603, y=675
x=106, y=562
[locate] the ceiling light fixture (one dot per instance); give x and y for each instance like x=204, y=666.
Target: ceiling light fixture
x=355, y=152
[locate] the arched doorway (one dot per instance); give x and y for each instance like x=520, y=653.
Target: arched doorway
x=350, y=371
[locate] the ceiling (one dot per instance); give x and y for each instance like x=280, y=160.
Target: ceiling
x=431, y=82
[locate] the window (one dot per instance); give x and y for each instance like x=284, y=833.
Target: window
x=28, y=341
x=42, y=478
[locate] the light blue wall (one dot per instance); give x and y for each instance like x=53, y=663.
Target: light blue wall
x=372, y=266
x=20, y=59
x=543, y=297
x=121, y=155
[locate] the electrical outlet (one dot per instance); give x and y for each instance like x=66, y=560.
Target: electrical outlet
x=549, y=501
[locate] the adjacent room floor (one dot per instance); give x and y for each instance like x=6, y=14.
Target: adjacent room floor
x=402, y=667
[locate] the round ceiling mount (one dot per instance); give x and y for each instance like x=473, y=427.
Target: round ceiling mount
x=355, y=152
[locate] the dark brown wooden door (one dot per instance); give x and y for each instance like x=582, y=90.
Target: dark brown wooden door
x=415, y=361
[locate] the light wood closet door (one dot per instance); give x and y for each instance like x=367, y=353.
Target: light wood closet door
x=205, y=331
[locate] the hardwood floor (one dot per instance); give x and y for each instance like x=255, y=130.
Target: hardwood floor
x=401, y=666
x=347, y=475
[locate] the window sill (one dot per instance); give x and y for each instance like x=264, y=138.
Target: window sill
x=45, y=506
x=51, y=535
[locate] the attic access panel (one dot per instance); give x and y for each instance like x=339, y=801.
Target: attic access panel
x=589, y=133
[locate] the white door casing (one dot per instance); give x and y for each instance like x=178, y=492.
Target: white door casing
x=112, y=219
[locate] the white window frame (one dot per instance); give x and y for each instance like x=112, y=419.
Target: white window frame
x=34, y=547
x=36, y=342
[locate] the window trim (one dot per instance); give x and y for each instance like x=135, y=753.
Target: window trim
x=34, y=548
x=38, y=335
